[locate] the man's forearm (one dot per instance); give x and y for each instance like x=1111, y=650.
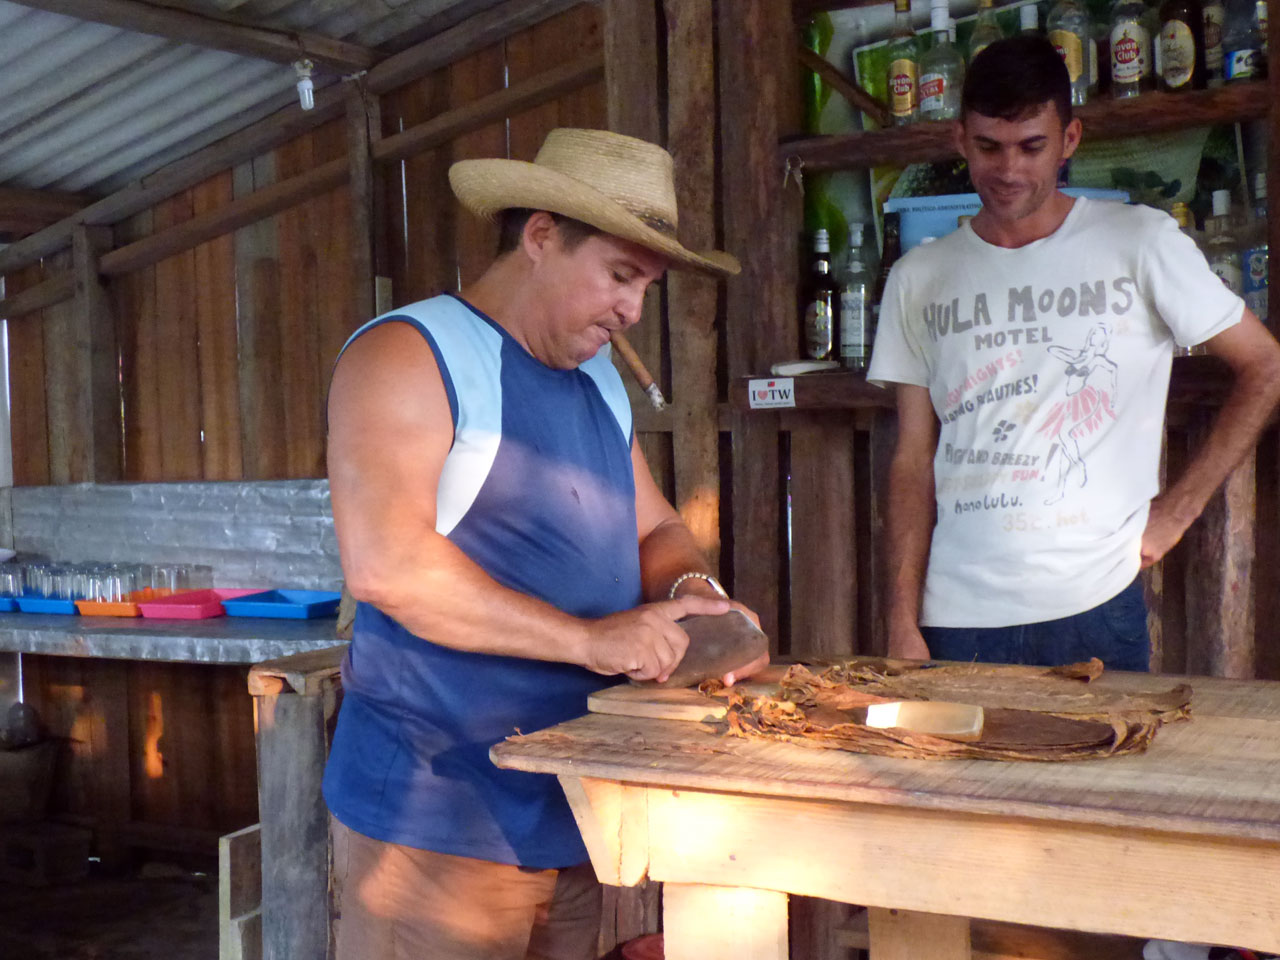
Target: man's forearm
x=668, y=551
x=1235, y=432
x=910, y=521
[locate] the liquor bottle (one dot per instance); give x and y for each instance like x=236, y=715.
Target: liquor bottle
x=1130, y=49
x=856, y=283
x=1029, y=18
x=941, y=70
x=1221, y=246
x=821, y=324
x=1254, y=266
x=1068, y=27
x=889, y=254
x=1244, y=41
x=1214, y=16
x=1182, y=62
x=903, y=51
x=986, y=30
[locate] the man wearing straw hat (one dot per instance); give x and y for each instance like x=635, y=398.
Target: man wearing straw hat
x=510, y=553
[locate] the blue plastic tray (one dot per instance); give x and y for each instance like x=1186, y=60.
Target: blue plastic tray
x=8, y=604
x=289, y=604
x=46, y=605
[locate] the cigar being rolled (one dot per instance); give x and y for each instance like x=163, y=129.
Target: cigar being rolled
x=643, y=378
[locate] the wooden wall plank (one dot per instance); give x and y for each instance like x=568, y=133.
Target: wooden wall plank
x=1267, y=566
x=476, y=240
x=422, y=207
x=300, y=306
x=177, y=352
x=215, y=312
x=692, y=299
x=96, y=361
x=824, y=587
x=262, y=427
x=28, y=424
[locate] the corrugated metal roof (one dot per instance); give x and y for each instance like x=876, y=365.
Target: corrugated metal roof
x=87, y=107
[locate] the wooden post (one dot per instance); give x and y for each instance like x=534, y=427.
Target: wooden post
x=759, y=102
x=1220, y=602
x=295, y=702
x=94, y=447
x=631, y=98
x=364, y=127
x=693, y=298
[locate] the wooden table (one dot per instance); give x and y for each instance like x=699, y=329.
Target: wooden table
x=1182, y=842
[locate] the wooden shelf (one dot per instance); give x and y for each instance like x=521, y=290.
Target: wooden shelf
x=1103, y=119
x=1195, y=380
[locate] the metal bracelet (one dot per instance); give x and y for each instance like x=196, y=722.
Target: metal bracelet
x=697, y=575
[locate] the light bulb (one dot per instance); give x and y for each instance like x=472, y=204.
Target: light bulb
x=306, y=89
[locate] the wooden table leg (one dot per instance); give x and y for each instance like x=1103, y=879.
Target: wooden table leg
x=723, y=923
x=908, y=935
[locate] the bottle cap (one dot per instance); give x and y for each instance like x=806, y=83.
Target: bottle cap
x=939, y=19
x=855, y=234
x=1259, y=186
x=1030, y=16
x=1182, y=213
x=822, y=242
x=1221, y=203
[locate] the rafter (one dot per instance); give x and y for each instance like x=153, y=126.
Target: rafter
x=24, y=210
x=216, y=32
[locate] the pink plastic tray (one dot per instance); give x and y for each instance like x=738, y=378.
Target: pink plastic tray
x=192, y=605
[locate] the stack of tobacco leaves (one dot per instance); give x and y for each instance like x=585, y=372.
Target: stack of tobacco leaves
x=1031, y=713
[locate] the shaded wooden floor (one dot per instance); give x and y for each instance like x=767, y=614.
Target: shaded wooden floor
x=138, y=918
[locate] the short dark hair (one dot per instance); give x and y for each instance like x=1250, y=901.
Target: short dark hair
x=1013, y=78
x=511, y=224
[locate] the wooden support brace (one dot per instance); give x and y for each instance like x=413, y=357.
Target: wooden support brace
x=842, y=85
x=614, y=822
x=908, y=935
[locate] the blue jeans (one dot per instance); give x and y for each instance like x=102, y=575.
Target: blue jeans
x=1115, y=632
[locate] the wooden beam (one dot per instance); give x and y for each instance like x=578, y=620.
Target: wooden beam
x=837, y=81
x=53, y=290
x=543, y=88
x=284, y=125
x=693, y=298
x=215, y=32
x=39, y=207
x=704, y=922
x=239, y=213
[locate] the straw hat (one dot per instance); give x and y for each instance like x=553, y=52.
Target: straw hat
x=617, y=183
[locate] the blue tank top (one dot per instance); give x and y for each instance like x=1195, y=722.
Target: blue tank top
x=538, y=490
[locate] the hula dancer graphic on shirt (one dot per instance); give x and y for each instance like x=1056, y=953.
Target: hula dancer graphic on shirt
x=1091, y=385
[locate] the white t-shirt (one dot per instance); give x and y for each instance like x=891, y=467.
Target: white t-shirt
x=1048, y=366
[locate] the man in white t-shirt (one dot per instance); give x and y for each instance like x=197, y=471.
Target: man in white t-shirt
x=1031, y=352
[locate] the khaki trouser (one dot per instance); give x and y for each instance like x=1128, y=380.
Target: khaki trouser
x=401, y=903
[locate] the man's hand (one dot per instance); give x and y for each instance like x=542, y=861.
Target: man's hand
x=645, y=643
x=1165, y=527
x=907, y=643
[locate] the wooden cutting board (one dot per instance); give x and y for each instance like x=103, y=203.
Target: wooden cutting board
x=634, y=700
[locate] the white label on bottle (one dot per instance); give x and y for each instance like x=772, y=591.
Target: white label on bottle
x=853, y=323
x=1130, y=52
x=1242, y=64
x=778, y=392
x=933, y=92
x=1214, y=14
x=1228, y=273
x=1177, y=54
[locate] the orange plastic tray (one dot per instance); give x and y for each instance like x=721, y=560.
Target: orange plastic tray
x=119, y=608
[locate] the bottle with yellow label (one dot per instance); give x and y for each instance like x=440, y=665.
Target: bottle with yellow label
x=1182, y=48
x=903, y=80
x=1068, y=29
